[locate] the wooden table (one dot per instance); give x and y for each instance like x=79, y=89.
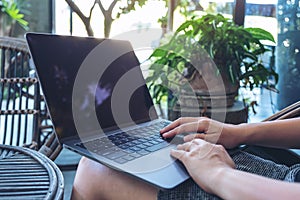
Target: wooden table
x=28, y=174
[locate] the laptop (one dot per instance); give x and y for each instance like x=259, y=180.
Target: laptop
x=101, y=107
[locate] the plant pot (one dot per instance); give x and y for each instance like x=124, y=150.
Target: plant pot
x=208, y=89
x=236, y=114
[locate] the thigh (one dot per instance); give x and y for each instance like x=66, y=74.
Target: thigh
x=96, y=181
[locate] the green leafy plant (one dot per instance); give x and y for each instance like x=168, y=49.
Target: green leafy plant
x=235, y=50
x=11, y=9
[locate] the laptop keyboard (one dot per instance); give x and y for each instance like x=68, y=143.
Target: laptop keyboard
x=127, y=146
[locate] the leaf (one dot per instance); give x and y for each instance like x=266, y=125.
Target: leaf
x=130, y=6
x=184, y=26
x=260, y=74
x=261, y=34
x=250, y=55
x=159, y=53
x=161, y=62
x=12, y=10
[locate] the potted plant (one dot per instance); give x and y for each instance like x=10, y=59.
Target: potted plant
x=208, y=57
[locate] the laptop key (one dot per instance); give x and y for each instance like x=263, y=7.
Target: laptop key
x=143, y=152
x=107, y=152
x=142, y=146
x=135, y=155
x=124, y=146
x=128, y=157
x=148, y=144
x=130, y=144
x=116, y=155
x=135, y=148
x=121, y=160
x=128, y=151
x=141, y=140
x=136, y=142
x=153, y=142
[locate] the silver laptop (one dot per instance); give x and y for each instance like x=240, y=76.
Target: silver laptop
x=101, y=108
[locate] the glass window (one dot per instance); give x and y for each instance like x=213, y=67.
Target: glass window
x=141, y=18
x=262, y=14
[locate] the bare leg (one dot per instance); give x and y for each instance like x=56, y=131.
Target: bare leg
x=96, y=181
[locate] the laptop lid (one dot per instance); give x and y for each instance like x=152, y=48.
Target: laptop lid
x=90, y=84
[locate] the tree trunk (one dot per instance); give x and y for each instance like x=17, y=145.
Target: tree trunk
x=107, y=26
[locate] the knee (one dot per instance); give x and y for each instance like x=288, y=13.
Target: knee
x=88, y=182
x=96, y=181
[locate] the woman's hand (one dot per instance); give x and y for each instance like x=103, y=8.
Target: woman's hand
x=207, y=129
x=204, y=161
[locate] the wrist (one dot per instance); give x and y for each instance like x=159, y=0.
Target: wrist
x=219, y=179
x=244, y=133
x=222, y=181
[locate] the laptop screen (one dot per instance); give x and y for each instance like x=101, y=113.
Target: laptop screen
x=90, y=84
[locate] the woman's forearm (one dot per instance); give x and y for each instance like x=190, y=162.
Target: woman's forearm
x=280, y=133
x=234, y=184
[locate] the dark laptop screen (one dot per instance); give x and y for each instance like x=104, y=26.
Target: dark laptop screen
x=108, y=87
